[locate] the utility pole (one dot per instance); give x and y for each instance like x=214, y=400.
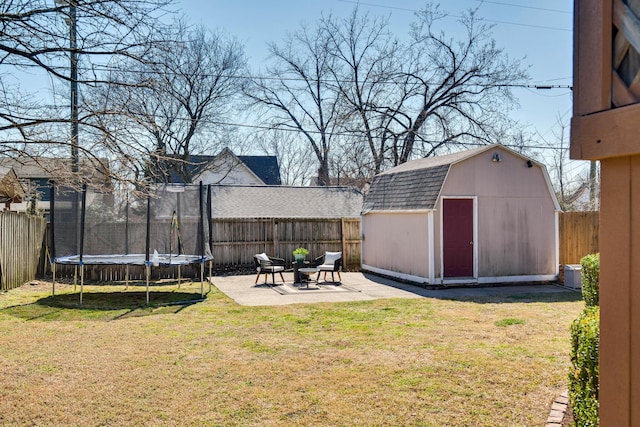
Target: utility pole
x=73, y=45
x=73, y=55
x=73, y=77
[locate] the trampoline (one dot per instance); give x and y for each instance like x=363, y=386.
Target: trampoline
x=168, y=227
x=156, y=260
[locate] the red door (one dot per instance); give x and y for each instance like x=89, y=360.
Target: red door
x=457, y=237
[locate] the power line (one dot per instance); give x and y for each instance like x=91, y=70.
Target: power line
x=544, y=27
x=338, y=134
x=526, y=7
x=347, y=134
x=275, y=78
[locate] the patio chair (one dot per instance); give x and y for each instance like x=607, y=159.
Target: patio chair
x=329, y=262
x=266, y=264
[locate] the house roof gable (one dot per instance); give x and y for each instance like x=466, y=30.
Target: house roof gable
x=10, y=188
x=264, y=168
x=92, y=170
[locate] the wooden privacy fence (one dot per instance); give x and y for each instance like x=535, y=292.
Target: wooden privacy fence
x=20, y=247
x=235, y=242
x=578, y=235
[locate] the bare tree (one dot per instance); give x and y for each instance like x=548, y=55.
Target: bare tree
x=171, y=101
x=574, y=186
x=453, y=91
x=381, y=102
x=296, y=166
x=365, y=59
x=67, y=41
x=295, y=94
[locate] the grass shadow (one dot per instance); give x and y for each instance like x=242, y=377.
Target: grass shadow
x=525, y=297
x=487, y=294
x=103, y=306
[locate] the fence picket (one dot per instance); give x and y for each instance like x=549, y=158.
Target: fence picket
x=579, y=233
x=20, y=246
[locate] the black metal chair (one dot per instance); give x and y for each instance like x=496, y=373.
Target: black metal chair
x=266, y=264
x=329, y=262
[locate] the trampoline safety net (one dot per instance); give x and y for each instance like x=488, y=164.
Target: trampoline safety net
x=169, y=227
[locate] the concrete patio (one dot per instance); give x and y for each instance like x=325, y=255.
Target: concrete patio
x=354, y=287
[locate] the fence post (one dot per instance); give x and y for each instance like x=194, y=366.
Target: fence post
x=343, y=246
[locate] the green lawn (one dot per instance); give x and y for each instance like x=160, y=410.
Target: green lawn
x=422, y=362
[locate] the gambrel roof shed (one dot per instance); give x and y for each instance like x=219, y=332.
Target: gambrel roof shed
x=485, y=215
x=417, y=184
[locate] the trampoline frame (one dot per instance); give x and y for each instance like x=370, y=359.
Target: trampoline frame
x=147, y=259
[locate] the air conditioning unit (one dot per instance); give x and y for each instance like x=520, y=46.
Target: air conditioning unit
x=573, y=276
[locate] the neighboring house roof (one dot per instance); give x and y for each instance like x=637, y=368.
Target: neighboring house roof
x=416, y=185
x=10, y=188
x=242, y=201
x=194, y=165
x=93, y=171
x=265, y=168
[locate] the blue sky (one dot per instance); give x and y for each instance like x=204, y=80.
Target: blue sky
x=539, y=31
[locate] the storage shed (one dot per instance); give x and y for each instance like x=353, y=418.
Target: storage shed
x=486, y=215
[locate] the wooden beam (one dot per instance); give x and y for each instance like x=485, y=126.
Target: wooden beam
x=606, y=134
x=592, y=56
x=634, y=285
x=615, y=265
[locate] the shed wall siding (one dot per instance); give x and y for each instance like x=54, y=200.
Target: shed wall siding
x=396, y=242
x=516, y=217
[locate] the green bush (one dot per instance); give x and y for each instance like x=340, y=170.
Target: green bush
x=591, y=279
x=583, y=378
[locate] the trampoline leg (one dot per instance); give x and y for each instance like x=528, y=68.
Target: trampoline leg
x=179, y=276
x=202, y=279
x=126, y=277
x=148, y=274
x=210, y=274
x=53, y=281
x=81, y=282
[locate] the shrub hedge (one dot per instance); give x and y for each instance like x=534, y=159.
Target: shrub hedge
x=591, y=279
x=584, y=378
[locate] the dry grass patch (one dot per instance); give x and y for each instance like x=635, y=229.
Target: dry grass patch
x=420, y=362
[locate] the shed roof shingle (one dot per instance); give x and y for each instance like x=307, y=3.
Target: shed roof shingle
x=409, y=190
x=414, y=185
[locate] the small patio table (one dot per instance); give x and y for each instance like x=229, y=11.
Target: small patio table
x=305, y=274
